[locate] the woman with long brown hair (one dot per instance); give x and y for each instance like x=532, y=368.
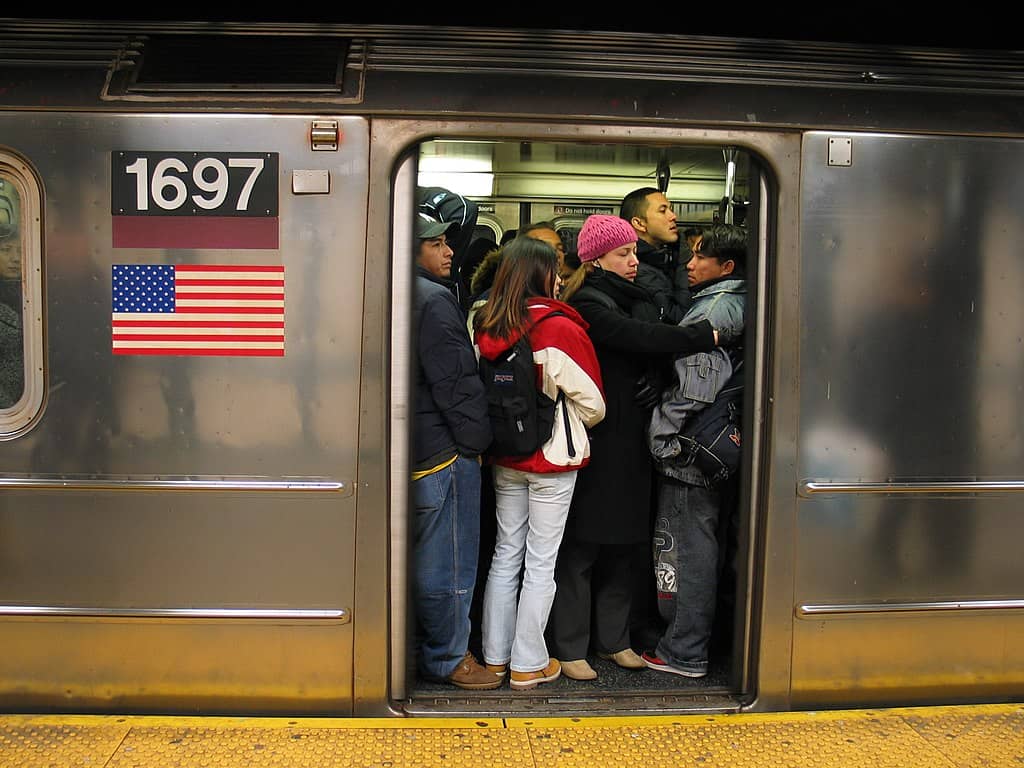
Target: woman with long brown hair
x=533, y=492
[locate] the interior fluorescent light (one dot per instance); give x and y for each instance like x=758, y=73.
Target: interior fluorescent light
x=466, y=184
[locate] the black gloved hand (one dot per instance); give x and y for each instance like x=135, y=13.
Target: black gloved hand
x=645, y=394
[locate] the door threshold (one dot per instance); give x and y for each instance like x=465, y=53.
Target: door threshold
x=540, y=704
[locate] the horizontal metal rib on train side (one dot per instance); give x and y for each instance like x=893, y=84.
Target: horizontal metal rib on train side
x=332, y=615
x=812, y=610
x=69, y=51
x=197, y=483
x=630, y=56
x=613, y=55
x=936, y=488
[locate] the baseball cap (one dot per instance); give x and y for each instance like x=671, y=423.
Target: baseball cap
x=428, y=227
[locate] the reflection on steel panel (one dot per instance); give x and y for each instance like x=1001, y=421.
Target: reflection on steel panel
x=911, y=453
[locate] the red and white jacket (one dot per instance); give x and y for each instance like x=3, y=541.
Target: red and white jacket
x=565, y=361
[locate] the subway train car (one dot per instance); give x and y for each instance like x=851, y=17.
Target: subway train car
x=212, y=516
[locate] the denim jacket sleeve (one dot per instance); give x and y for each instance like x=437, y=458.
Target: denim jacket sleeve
x=699, y=378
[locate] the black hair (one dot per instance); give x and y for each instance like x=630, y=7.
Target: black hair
x=527, y=228
x=724, y=242
x=635, y=203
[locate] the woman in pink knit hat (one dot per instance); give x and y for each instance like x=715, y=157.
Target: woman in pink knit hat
x=609, y=516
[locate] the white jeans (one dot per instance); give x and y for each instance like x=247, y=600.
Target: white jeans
x=531, y=510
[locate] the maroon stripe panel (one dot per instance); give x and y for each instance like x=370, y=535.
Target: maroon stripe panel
x=243, y=232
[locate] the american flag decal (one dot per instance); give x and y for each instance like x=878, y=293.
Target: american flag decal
x=197, y=309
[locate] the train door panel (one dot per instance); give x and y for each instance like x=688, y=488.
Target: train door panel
x=555, y=192
x=179, y=525
x=907, y=566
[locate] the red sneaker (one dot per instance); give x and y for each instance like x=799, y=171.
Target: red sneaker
x=660, y=665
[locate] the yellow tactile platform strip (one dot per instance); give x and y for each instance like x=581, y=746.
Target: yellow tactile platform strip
x=931, y=737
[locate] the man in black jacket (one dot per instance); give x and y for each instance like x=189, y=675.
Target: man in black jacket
x=661, y=273
x=451, y=430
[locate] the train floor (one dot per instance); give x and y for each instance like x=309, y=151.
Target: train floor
x=614, y=690
x=929, y=737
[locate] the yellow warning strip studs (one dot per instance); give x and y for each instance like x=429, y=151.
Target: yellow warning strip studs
x=927, y=737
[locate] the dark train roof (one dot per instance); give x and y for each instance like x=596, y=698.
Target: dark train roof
x=463, y=72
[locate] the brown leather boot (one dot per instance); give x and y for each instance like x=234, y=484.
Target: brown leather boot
x=524, y=681
x=499, y=669
x=471, y=676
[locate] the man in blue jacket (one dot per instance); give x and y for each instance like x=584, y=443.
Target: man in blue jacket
x=690, y=505
x=451, y=430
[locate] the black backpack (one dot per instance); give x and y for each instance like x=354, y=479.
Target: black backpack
x=711, y=437
x=444, y=205
x=522, y=416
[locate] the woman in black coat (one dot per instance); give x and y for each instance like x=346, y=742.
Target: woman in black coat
x=610, y=507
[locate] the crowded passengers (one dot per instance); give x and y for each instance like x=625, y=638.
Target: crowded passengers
x=606, y=510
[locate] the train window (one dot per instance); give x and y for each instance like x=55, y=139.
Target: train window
x=20, y=320
x=562, y=184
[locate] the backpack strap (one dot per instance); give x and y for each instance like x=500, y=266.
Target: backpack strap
x=561, y=395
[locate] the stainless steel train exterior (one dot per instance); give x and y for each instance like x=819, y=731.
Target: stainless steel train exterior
x=226, y=533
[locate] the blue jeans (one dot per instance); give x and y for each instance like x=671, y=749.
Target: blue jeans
x=446, y=542
x=686, y=569
x=531, y=510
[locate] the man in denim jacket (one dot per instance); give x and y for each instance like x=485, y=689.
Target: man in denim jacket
x=686, y=538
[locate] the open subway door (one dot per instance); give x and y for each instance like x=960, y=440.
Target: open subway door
x=514, y=183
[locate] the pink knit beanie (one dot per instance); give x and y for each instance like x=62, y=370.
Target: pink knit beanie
x=601, y=234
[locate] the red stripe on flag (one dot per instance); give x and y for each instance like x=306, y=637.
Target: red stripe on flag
x=229, y=311
x=241, y=282
x=228, y=295
x=197, y=324
x=190, y=351
x=198, y=337
x=242, y=232
x=179, y=268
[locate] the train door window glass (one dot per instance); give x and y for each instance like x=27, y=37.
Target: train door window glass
x=12, y=339
x=20, y=305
